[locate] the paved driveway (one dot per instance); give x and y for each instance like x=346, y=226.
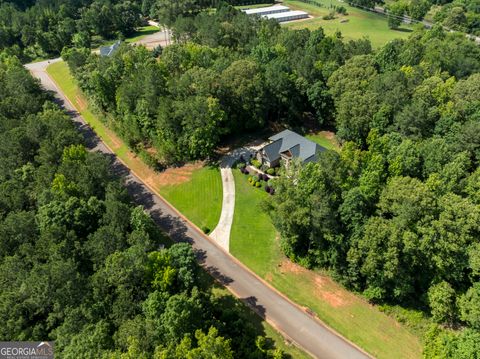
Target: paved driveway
x=288, y=318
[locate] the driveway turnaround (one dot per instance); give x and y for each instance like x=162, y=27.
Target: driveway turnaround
x=295, y=323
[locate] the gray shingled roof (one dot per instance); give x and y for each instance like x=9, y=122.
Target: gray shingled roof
x=298, y=146
x=109, y=50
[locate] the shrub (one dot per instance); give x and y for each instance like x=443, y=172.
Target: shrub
x=330, y=16
x=250, y=179
x=272, y=191
x=256, y=163
x=241, y=165
x=271, y=171
x=258, y=184
x=255, y=178
x=341, y=10
x=245, y=171
x=205, y=229
x=267, y=189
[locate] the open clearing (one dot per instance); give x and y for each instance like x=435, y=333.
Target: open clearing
x=254, y=241
x=193, y=189
x=359, y=23
x=200, y=179
x=326, y=139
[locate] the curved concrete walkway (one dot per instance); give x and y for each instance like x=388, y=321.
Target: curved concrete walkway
x=292, y=321
x=221, y=233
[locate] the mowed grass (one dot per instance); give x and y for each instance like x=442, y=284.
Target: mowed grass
x=254, y=6
x=142, y=32
x=137, y=35
x=202, y=194
x=360, y=23
x=199, y=198
x=324, y=139
x=254, y=241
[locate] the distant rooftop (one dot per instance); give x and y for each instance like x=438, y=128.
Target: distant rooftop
x=287, y=16
x=266, y=10
x=109, y=50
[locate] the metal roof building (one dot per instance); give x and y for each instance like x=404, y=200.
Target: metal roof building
x=287, y=16
x=267, y=10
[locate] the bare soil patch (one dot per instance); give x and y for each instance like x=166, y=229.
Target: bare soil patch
x=177, y=175
x=328, y=135
x=82, y=104
x=325, y=288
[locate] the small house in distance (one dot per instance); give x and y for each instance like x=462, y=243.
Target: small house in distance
x=287, y=145
x=109, y=50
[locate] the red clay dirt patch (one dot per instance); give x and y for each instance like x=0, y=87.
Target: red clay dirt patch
x=328, y=135
x=177, y=175
x=325, y=288
x=82, y=104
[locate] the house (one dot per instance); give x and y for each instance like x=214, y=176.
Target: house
x=109, y=50
x=287, y=145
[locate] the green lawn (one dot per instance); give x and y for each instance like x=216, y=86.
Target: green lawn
x=141, y=33
x=360, y=23
x=60, y=74
x=204, y=189
x=253, y=241
x=324, y=139
x=254, y=6
x=199, y=199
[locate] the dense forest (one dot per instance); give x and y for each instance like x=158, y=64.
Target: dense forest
x=81, y=265
x=396, y=214
x=41, y=29
x=227, y=74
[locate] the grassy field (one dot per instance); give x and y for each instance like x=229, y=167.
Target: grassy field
x=360, y=23
x=142, y=32
x=254, y=6
x=200, y=198
x=325, y=139
x=252, y=239
x=254, y=242
x=98, y=41
x=195, y=190
x=191, y=197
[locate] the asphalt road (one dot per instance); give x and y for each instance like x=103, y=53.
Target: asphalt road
x=296, y=324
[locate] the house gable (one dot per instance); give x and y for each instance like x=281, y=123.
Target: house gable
x=288, y=144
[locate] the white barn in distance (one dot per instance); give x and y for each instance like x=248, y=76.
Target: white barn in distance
x=267, y=10
x=277, y=12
